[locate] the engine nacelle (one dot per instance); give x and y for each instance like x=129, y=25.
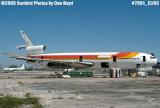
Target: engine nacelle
x=37, y=49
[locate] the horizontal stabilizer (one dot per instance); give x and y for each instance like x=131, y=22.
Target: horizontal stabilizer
x=21, y=46
x=11, y=55
x=14, y=55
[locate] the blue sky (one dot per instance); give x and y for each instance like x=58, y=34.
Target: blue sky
x=88, y=26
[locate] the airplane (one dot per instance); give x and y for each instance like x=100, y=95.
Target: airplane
x=108, y=60
x=22, y=67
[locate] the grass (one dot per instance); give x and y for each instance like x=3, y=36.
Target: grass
x=16, y=102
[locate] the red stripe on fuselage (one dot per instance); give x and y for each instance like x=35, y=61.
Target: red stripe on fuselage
x=65, y=56
x=58, y=57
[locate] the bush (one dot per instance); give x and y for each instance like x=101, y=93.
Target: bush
x=16, y=102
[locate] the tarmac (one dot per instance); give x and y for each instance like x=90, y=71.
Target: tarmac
x=84, y=92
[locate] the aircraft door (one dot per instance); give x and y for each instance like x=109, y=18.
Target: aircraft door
x=144, y=58
x=80, y=58
x=114, y=58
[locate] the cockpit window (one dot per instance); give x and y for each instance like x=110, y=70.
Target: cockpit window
x=152, y=57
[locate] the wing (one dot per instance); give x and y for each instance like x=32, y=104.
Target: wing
x=68, y=64
x=52, y=63
x=28, y=59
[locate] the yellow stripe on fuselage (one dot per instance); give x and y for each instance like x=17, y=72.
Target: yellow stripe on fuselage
x=131, y=55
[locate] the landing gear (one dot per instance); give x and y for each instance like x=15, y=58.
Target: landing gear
x=116, y=73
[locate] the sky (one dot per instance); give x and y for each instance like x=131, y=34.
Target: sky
x=87, y=26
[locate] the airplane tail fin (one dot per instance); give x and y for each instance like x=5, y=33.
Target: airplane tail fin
x=27, y=41
x=22, y=67
x=29, y=46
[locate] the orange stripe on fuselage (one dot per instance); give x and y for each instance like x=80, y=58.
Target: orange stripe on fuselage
x=126, y=54
x=67, y=56
x=122, y=54
x=131, y=55
x=93, y=57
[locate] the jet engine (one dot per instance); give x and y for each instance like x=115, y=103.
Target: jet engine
x=37, y=49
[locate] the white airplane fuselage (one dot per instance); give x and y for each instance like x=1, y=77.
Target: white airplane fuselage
x=14, y=69
x=123, y=60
